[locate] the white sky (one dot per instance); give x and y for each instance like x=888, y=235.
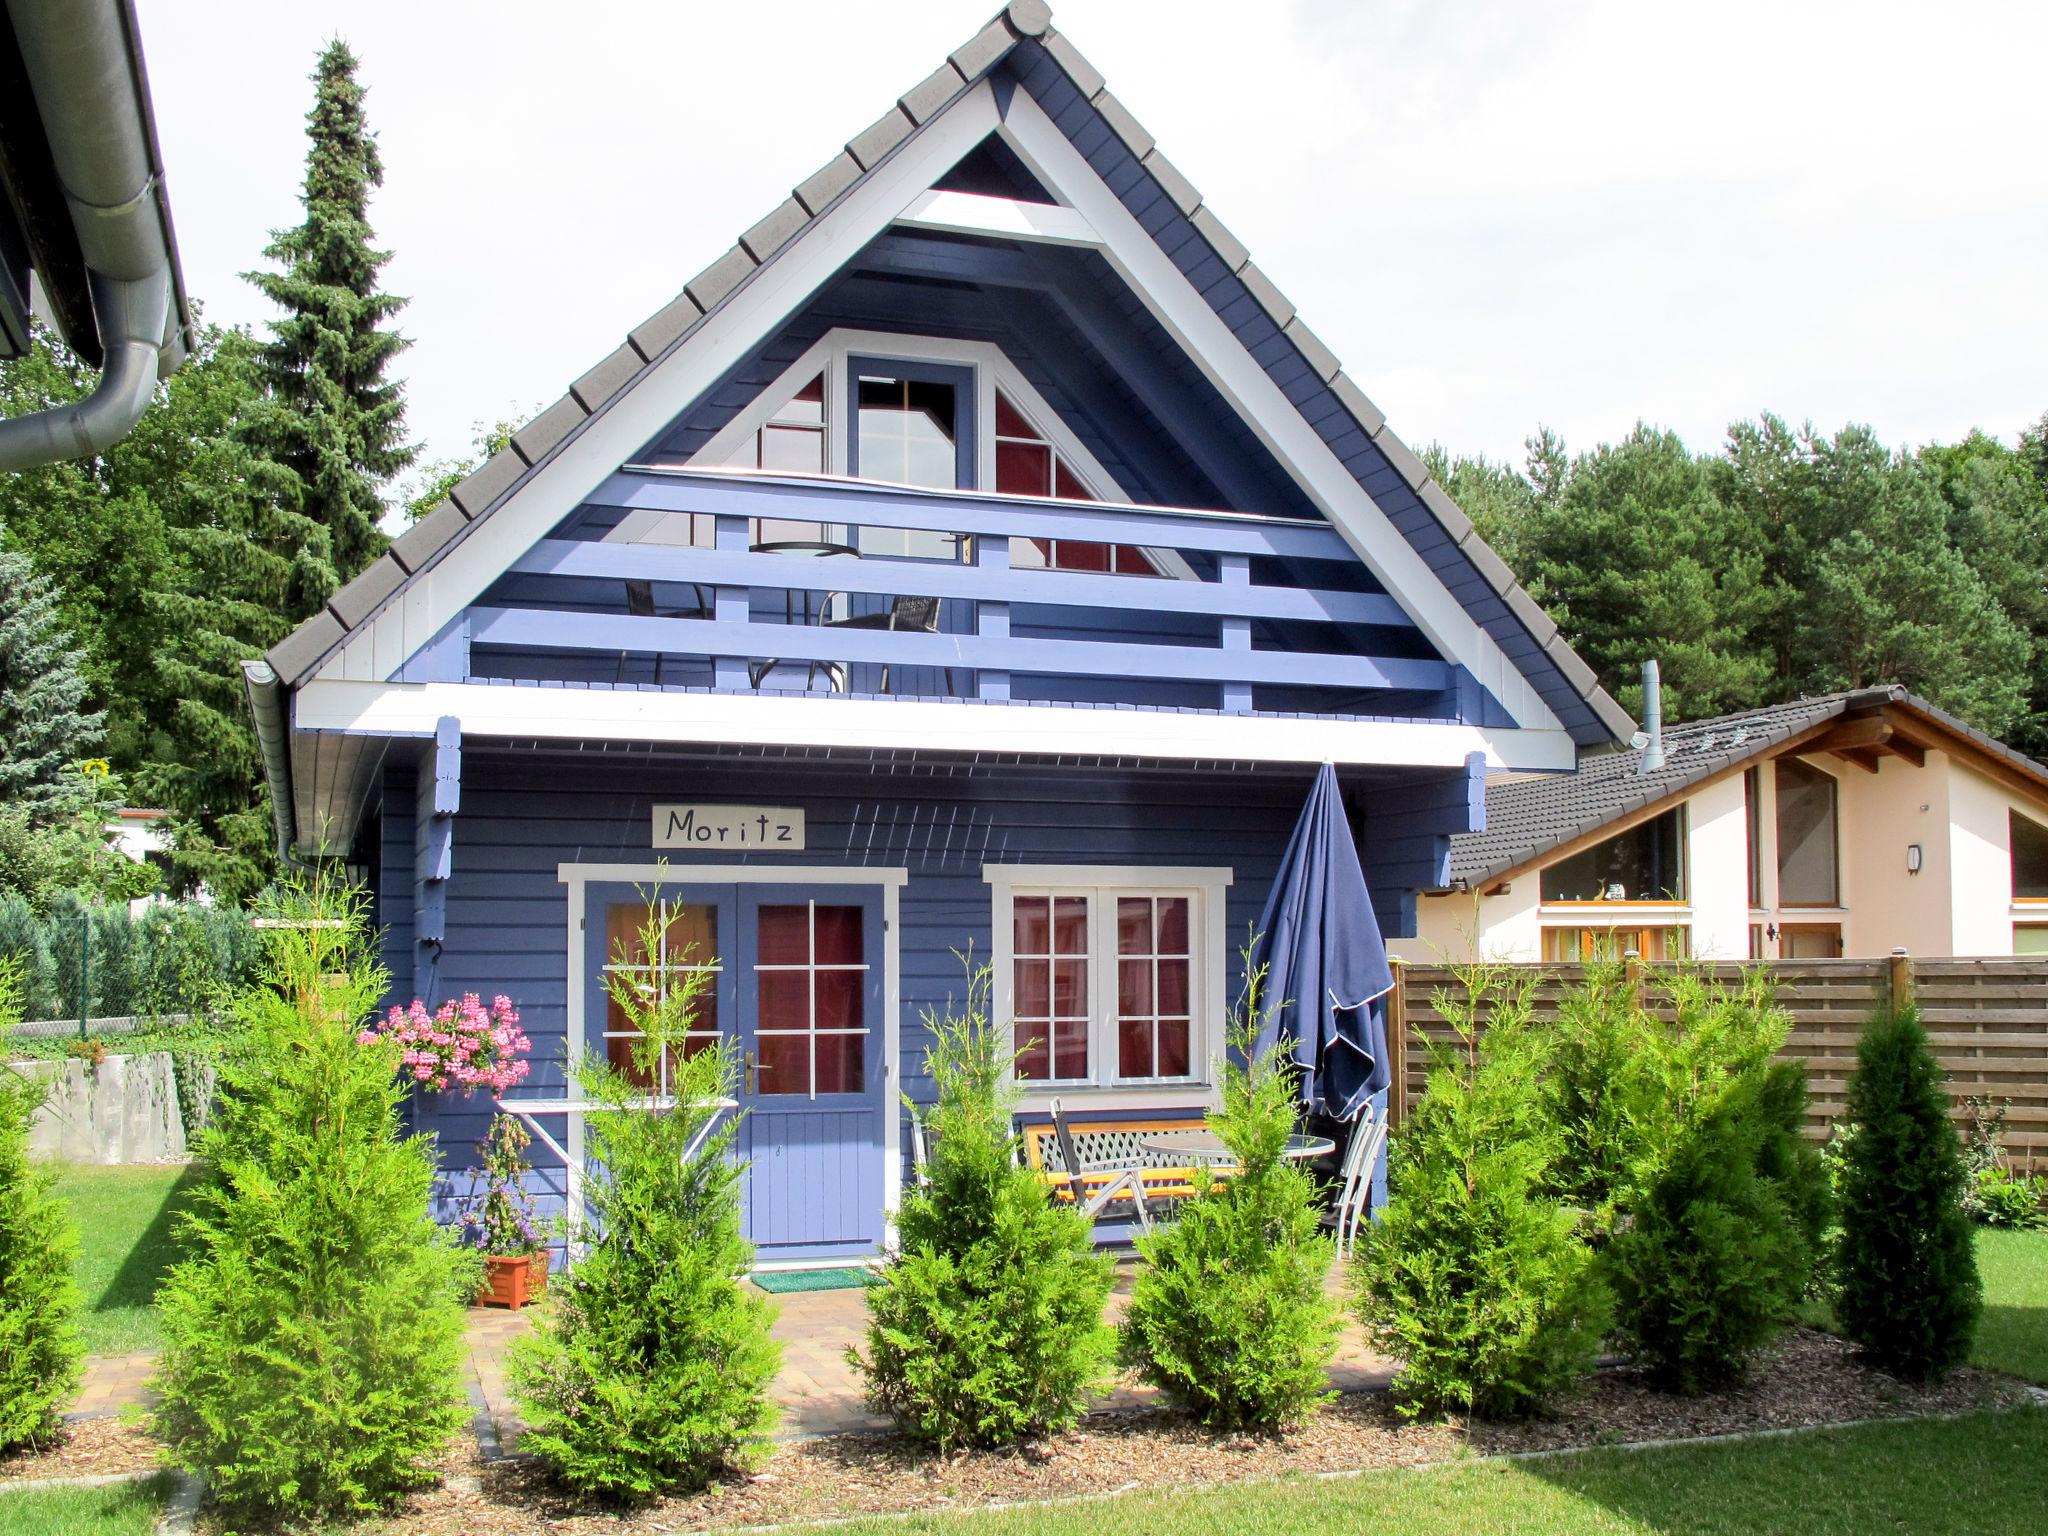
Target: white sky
x=1497, y=213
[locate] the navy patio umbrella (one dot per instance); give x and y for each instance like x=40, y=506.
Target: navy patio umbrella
x=1327, y=975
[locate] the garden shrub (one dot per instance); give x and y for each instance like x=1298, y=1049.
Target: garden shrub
x=1228, y=1316
x=1993, y=1192
x=313, y=1343
x=1906, y=1280
x=1475, y=1277
x=39, y=1342
x=1725, y=1207
x=986, y=1327
x=1604, y=1089
x=651, y=1374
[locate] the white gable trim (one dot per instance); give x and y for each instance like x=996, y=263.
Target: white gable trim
x=971, y=213
x=1243, y=381
x=770, y=719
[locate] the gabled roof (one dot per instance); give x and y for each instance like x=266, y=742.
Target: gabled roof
x=1528, y=818
x=1021, y=46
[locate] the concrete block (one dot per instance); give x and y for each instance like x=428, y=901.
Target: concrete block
x=827, y=182
x=720, y=278
x=359, y=599
x=476, y=495
x=608, y=377
x=922, y=101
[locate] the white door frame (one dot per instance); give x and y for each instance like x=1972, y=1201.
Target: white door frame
x=892, y=879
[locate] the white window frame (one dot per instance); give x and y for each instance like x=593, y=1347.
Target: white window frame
x=1208, y=1002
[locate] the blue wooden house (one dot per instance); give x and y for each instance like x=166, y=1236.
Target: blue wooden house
x=980, y=552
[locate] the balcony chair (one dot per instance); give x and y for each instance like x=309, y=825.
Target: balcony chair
x=904, y=615
x=640, y=605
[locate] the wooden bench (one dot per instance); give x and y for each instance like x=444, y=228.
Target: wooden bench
x=1113, y=1146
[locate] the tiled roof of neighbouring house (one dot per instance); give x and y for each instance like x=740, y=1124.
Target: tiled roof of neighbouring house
x=1526, y=818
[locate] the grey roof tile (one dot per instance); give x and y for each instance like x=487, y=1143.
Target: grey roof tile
x=828, y=181
x=473, y=497
x=654, y=335
x=923, y=100
x=1446, y=510
x=1125, y=126
x=359, y=599
x=1029, y=17
x=1267, y=292
x=608, y=377
x=1567, y=660
x=1492, y=569
x=300, y=651
x=1086, y=77
x=1220, y=239
x=1172, y=183
x=1320, y=359
x=1358, y=403
x=533, y=441
x=720, y=278
x=1541, y=626
x=428, y=537
x=776, y=230
x=879, y=137
x=1401, y=456
x=975, y=55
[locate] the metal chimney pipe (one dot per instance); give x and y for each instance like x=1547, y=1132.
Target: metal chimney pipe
x=1653, y=720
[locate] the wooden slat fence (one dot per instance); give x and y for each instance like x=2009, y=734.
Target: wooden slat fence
x=1988, y=1020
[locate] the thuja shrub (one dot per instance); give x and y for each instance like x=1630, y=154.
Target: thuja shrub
x=1604, y=1089
x=1228, y=1317
x=39, y=1343
x=1475, y=1277
x=986, y=1327
x=651, y=1374
x=1906, y=1280
x=313, y=1342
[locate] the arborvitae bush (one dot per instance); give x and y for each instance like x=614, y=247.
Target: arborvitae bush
x=313, y=1343
x=1906, y=1274
x=986, y=1327
x=1228, y=1316
x=651, y=1374
x=1476, y=1278
x=1725, y=1206
x=1603, y=1087
x=39, y=1343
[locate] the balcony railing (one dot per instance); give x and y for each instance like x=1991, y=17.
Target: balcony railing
x=1234, y=627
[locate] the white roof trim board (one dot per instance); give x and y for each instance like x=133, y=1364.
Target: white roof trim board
x=883, y=175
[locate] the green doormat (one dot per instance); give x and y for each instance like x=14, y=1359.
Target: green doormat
x=781, y=1280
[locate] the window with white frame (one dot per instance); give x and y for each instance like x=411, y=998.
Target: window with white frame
x=1111, y=978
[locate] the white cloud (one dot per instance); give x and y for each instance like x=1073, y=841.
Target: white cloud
x=1496, y=213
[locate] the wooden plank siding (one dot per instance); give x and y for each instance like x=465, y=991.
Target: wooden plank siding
x=1987, y=1019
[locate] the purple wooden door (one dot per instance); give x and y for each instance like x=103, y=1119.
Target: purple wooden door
x=799, y=991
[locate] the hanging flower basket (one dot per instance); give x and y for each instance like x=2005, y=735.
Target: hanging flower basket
x=460, y=1045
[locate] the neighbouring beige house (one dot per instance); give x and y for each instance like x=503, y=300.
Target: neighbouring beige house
x=1850, y=824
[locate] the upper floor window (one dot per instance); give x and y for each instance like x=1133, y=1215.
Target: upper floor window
x=1028, y=464
x=792, y=441
x=1645, y=863
x=2029, y=858
x=907, y=431
x=1753, y=817
x=1808, y=836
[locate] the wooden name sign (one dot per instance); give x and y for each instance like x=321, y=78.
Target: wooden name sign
x=714, y=827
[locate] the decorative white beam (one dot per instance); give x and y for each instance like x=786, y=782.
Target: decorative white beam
x=971, y=213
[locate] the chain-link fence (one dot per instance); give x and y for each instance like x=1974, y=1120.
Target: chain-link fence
x=101, y=970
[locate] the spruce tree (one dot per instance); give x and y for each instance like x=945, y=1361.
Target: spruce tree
x=45, y=728
x=313, y=1343
x=1906, y=1271
x=333, y=421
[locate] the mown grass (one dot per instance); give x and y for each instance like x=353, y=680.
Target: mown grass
x=118, y=1509
x=1983, y=1474
x=2012, y=1334
x=127, y=1219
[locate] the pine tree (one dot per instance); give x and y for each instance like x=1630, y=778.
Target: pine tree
x=45, y=728
x=1906, y=1271
x=333, y=422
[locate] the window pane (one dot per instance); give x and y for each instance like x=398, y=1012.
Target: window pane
x=1132, y=561
x=1134, y=987
x=1068, y=484
x=1034, y=1052
x=906, y=432
x=1806, y=836
x=1070, y=925
x=2029, y=857
x=783, y=1064
x=1070, y=989
x=2030, y=940
x=808, y=405
x=839, y=995
x=1134, y=1048
x=1134, y=925
x=1010, y=421
x=1173, y=925
x=785, y=935
x=1173, y=1037
x=1023, y=469
x=841, y=1063
x=785, y=999
x=1031, y=925
x=1070, y=555
x=1645, y=863
x=838, y=935
x=1032, y=990
x=1753, y=811
x=1070, y=1048
x=1173, y=986
x=797, y=449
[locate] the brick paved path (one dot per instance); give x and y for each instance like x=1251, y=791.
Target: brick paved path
x=817, y=1389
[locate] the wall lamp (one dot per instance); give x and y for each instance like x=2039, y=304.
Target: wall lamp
x=1912, y=858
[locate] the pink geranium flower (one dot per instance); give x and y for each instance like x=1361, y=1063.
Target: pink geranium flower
x=459, y=1045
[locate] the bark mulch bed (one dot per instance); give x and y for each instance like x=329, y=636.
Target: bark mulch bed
x=85, y=1448
x=1810, y=1379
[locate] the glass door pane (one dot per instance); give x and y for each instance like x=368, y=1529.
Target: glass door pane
x=811, y=981
x=656, y=951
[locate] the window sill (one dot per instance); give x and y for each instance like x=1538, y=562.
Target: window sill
x=1169, y=1096
x=1633, y=911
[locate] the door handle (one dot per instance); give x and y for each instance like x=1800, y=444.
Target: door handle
x=751, y=1068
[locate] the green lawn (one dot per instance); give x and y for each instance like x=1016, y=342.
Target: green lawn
x=1987, y=1474
x=119, y=1509
x=127, y=1238
x=2012, y=1335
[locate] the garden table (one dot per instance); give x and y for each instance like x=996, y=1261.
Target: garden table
x=1207, y=1146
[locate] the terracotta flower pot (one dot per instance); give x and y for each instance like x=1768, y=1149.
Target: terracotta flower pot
x=508, y=1281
